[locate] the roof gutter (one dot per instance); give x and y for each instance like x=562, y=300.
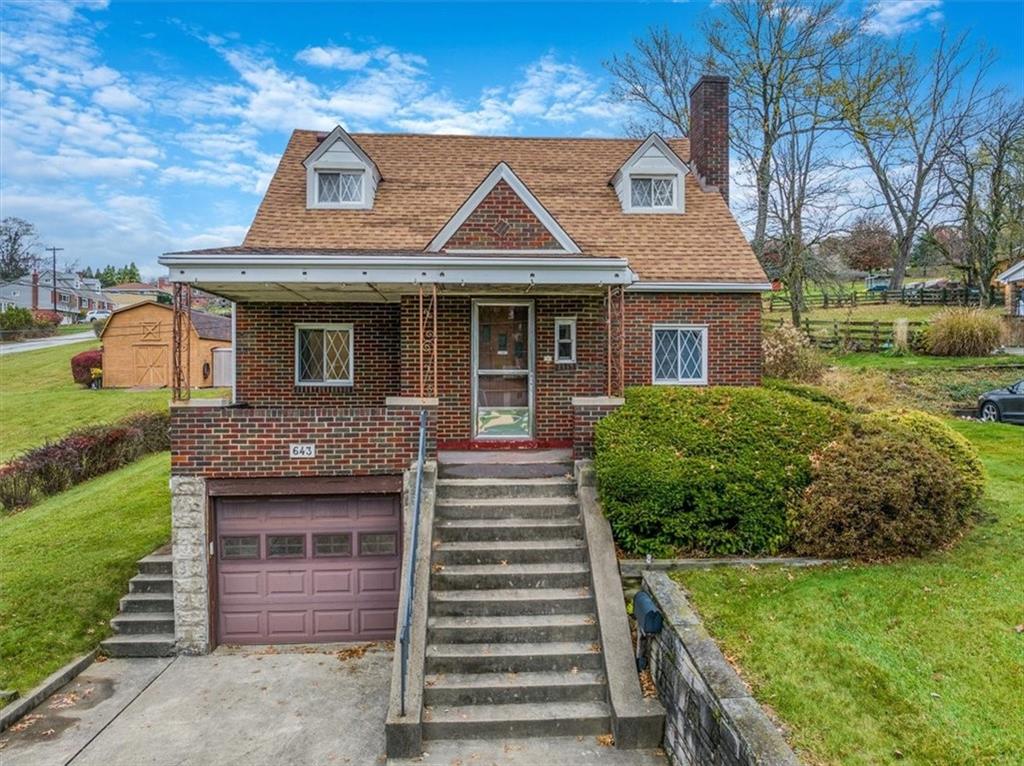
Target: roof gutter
x=700, y=287
x=438, y=269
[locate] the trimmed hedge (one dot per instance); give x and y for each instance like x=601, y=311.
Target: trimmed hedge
x=82, y=455
x=708, y=470
x=895, y=484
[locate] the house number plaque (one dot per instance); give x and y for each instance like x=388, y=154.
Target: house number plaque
x=301, y=450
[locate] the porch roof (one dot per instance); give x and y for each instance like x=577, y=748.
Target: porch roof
x=325, y=276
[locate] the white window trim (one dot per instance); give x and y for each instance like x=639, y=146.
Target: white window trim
x=703, y=380
x=351, y=354
x=675, y=207
x=341, y=205
x=571, y=322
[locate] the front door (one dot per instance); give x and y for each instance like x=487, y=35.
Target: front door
x=503, y=369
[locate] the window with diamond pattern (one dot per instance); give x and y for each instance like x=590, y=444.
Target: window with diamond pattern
x=652, y=192
x=339, y=187
x=324, y=354
x=679, y=355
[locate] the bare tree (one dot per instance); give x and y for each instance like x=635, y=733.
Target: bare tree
x=981, y=177
x=772, y=49
x=804, y=209
x=656, y=77
x=18, y=243
x=907, y=115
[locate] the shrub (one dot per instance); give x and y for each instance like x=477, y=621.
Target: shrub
x=45, y=317
x=895, y=484
x=962, y=332
x=707, y=470
x=18, y=323
x=98, y=325
x=811, y=393
x=789, y=355
x=82, y=455
x=83, y=364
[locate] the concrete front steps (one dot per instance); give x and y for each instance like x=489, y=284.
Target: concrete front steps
x=144, y=627
x=513, y=647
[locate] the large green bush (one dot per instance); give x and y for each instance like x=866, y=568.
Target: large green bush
x=895, y=484
x=709, y=470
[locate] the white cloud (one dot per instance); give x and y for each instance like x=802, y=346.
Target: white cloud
x=334, y=57
x=118, y=98
x=895, y=17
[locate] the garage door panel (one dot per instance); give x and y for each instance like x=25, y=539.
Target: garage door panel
x=330, y=588
x=326, y=582
x=241, y=583
x=378, y=580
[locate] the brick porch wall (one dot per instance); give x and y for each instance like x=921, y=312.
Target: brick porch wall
x=241, y=442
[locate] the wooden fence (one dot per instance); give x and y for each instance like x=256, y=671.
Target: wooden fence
x=849, y=336
x=937, y=296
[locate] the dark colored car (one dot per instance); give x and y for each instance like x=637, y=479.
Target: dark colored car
x=1003, y=404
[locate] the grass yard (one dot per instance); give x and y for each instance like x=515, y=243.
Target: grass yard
x=918, y=662
x=865, y=360
x=66, y=561
x=39, y=401
x=885, y=312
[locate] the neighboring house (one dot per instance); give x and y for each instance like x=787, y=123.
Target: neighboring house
x=127, y=293
x=137, y=347
x=512, y=286
x=74, y=295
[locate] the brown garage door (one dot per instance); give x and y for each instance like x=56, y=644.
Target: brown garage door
x=298, y=569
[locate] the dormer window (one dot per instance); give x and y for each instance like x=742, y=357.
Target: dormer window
x=652, y=192
x=340, y=175
x=651, y=180
x=337, y=187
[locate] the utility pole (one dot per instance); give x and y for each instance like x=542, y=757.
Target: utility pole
x=53, y=251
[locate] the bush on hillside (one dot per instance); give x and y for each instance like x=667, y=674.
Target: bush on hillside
x=789, y=355
x=895, y=484
x=962, y=332
x=82, y=455
x=811, y=393
x=83, y=364
x=708, y=470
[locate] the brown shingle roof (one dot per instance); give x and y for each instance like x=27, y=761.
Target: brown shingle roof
x=427, y=178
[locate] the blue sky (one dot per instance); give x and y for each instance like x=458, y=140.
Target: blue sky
x=132, y=128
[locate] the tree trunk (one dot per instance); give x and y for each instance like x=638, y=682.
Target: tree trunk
x=904, y=251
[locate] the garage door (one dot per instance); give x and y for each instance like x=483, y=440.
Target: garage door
x=299, y=569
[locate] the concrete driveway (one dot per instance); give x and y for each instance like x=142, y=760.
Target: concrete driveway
x=307, y=705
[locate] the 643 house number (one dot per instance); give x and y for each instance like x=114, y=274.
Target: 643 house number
x=301, y=450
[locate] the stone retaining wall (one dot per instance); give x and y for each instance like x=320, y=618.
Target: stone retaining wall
x=710, y=716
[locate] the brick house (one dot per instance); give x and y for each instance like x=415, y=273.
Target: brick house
x=511, y=287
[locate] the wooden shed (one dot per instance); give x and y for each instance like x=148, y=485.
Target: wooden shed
x=137, y=346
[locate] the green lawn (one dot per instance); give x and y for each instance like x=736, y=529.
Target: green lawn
x=883, y=312
x=66, y=561
x=39, y=401
x=880, y=361
x=918, y=662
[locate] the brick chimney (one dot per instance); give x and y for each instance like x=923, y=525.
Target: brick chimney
x=35, y=289
x=709, y=131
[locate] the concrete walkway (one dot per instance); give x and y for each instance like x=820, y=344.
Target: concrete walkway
x=35, y=345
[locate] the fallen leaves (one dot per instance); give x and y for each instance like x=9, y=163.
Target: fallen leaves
x=354, y=652
x=647, y=684
x=606, y=740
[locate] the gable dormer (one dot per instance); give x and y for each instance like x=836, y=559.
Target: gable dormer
x=340, y=175
x=502, y=214
x=652, y=179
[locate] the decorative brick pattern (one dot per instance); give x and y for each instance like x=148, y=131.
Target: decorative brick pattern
x=265, y=354
x=241, y=442
x=188, y=546
x=502, y=221
x=710, y=717
x=709, y=131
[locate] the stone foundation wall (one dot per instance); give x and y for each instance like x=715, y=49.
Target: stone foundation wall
x=710, y=716
x=191, y=582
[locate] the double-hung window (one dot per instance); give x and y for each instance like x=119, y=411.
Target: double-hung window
x=652, y=192
x=336, y=187
x=565, y=340
x=680, y=355
x=323, y=354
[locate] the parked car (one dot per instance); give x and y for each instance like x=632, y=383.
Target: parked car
x=97, y=314
x=1003, y=405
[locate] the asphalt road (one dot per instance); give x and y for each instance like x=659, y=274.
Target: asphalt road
x=57, y=340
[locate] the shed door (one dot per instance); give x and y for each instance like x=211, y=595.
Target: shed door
x=150, y=364
x=304, y=569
